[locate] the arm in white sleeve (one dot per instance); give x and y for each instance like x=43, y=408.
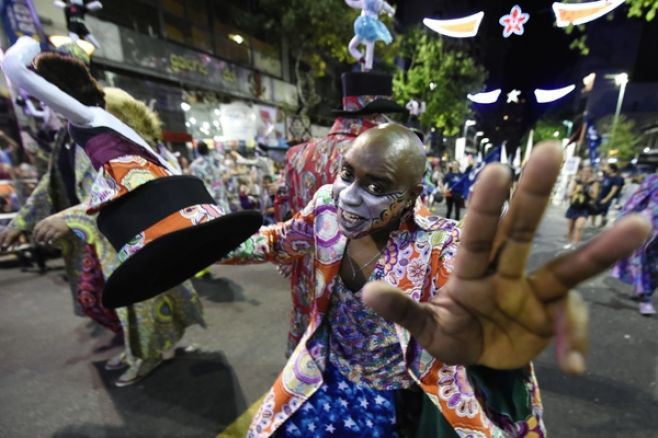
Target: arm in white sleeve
x=94, y=6
x=356, y=4
x=15, y=63
x=388, y=9
x=60, y=4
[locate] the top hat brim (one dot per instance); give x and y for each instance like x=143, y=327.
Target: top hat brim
x=377, y=106
x=171, y=259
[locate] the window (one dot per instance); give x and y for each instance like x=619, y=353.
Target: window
x=174, y=7
x=266, y=57
x=197, y=14
x=232, y=44
x=175, y=29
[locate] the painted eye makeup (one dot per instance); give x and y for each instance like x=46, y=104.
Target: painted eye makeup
x=346, y=174
x=375, y=189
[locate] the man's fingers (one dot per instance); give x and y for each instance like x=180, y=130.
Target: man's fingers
x=527, y=208
x=481, y=222
x=571, y=320
x=394, y=306
x=554, y=279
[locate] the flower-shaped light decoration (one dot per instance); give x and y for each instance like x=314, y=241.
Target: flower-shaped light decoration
x=514, y=21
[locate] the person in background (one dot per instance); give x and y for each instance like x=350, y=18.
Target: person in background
x=610, y=185
x=208, y=167
x=184, y=164
x=7, y=146
x=580, y=200
x=453, y=198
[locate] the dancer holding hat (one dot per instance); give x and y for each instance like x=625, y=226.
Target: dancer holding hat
x=164, y=227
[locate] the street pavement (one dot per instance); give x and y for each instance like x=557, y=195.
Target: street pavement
x=52, y=381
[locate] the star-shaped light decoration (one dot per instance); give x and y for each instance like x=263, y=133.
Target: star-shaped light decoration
x=514, y=21
x=513, y=96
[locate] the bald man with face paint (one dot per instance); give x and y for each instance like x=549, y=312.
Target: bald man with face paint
x=420, y=328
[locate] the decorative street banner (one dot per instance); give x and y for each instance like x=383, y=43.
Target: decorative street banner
x=594, y=140
x=19, y=18
x=465, y=185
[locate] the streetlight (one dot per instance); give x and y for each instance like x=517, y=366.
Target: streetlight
x=475, y=139
x=621, y=80
x=569, y=125
x=485, y=140
x=467, y=124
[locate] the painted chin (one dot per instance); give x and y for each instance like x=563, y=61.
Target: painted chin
x=351, y=224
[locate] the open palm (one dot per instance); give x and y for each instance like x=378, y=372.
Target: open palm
x=490, y=312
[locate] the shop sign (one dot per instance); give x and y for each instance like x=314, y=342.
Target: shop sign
x=180, y=64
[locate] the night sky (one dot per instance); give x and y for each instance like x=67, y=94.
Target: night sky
x=541, y=58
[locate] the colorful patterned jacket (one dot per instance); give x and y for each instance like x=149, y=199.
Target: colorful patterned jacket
x=473, y=401
x=309, y=166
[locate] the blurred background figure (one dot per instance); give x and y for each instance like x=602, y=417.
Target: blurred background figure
x=454, y=199
x=641, y=269
x=580, y=205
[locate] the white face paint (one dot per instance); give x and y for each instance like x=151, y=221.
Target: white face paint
x=364, y=208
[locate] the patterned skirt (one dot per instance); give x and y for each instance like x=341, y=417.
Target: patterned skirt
x=90, y=290
x=640, y=269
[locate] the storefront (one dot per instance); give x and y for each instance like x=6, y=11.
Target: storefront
x=197, y=95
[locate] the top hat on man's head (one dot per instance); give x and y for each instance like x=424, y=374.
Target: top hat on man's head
x=367, y=93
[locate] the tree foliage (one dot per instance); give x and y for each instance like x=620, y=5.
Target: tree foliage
x=439, y=76
x=317, y=34
x=624, y=142
x=642, y=8
x=636, y=8
x=545, y=129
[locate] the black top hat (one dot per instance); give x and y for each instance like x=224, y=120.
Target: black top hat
x=180, y=251
x=367, y=93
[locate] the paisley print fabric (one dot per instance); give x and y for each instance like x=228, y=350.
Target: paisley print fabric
x=149, y=327
x=423, y=244
x=90, y=291
x=119, y=176
x=363, y=347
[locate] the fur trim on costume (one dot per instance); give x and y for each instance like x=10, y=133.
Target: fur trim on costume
x=133, y=113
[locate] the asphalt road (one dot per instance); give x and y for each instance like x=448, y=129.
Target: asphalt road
x=52, y=383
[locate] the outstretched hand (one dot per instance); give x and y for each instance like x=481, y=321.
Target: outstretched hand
x=490, y=312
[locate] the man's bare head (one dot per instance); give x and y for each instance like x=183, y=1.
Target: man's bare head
x=380, y=179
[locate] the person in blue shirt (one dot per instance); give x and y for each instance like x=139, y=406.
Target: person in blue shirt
x=453, y=197
x=609, y=188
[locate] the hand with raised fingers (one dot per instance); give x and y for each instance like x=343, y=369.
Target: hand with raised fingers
x=490, y=311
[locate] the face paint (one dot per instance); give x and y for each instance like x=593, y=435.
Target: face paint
x=362, y=210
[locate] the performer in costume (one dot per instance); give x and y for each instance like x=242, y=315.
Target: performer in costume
x=368, y=29
x=153, y=327
x=68, y=179
x=75, y=11
x=311, y=165
x=641, y=268
x=443, y=298
x=164, y=227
